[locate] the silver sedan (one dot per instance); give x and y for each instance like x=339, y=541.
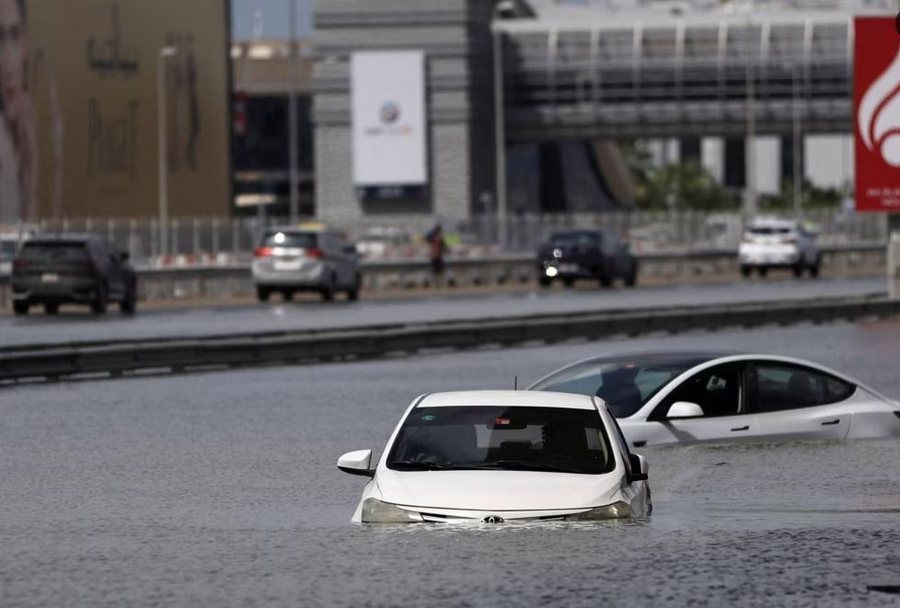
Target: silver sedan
x=669, y=398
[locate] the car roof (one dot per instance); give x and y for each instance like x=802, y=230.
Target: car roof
x=508, y=398
x=306, y=227
x=574, y=233
x=773, y=222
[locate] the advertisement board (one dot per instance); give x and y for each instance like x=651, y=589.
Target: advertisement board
x=388, y=116
x=876, y=100
x=81, y=120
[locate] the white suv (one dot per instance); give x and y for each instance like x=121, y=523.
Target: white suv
x=776, y=243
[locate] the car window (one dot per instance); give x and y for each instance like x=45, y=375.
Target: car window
x=716, y=390
x=572, y=239
x=506, y=438
x=610, y=244
x=774, y=387
x=54, y=252
x=299, y=240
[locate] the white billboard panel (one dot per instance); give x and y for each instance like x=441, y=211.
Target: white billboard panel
x=389, y=137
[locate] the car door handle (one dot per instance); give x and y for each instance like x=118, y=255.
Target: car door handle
x=832, y=422
x=741, y=428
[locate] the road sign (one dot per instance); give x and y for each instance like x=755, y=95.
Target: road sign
x=876, y=100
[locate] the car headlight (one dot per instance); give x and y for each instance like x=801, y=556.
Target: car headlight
x=375, y=511
x=617, y=510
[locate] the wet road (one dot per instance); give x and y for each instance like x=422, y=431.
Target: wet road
x=219, y=489
x=75, y=324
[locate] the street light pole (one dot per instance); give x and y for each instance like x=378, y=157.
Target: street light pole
x=750, y=145
x=293, y=144
x=499, y=134
x=165, y=53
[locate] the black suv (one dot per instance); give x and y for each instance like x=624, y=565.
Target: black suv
x=53, y=269
x=586, y=254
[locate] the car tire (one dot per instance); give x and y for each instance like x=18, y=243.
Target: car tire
x=128, y=305
x=545, y=281
x=762, y=271
x=98, y=306
x=262, y=294
x=353, y=292
x=746, y=271
x=815, y=268
x=798, y=270
x=606, y=281
x=569, y=282
x=287, y=295
x=631, y=279
x=20, y=307
x=327, y=290
x=51, y=308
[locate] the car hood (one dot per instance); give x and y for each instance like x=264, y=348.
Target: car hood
x=498, y=490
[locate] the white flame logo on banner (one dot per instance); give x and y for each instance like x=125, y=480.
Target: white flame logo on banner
x=879, y=115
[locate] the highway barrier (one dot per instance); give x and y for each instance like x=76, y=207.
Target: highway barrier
x=172, y=355
x=499, y=269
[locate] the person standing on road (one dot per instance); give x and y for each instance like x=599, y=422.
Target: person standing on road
x=437, y=247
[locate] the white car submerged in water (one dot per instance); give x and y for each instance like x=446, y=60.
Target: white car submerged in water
x=494, y=456
x=666, y=398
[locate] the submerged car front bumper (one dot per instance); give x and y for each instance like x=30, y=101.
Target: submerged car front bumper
x=377, y=511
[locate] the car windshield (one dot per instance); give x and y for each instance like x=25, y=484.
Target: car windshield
x=298, y=240
x=54, y=252
x=502, y=438
x=625, y=384
x=574, y=238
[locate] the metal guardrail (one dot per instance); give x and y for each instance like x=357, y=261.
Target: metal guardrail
x=113, y=359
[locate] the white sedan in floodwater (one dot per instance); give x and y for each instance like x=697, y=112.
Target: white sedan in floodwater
x=495, y=456
x=666, y=398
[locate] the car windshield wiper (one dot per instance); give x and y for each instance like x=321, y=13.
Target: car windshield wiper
x=419, y=465
x=521, y=466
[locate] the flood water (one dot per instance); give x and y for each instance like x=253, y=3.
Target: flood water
x=220, y=489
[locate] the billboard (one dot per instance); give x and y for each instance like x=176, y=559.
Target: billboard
x=388, y=117
x=81, y=114
x=876, y=102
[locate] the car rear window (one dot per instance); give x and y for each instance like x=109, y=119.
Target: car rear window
x=300, y=240
x=768, y=231
x=55, y=252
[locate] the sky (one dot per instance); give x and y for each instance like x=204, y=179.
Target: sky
x=273, y=18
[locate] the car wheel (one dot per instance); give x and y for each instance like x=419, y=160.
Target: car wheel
x=798, y=270
x=631, y=279
x=98, y=306
x=51, y=308
x=287, y=295
x=327, y=290
x=353, y=292
x=128, y=305
x=20, y=307
x=262, y=294
x=814, y=269
x=569, y=282
x=746, y=271
x=762, y=271
x=545, y=281
x=606, y=281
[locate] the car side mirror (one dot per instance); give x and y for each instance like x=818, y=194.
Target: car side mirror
x=639, y=467
x=357, y=463
x=684, y=409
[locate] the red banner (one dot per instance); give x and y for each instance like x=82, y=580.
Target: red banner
x=876, y=103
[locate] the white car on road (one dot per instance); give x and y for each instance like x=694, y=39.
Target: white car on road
x=776, y=243
x=667, y=398
x=495, y=456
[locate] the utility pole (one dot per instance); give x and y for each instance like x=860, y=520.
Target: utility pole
x=293, y=144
